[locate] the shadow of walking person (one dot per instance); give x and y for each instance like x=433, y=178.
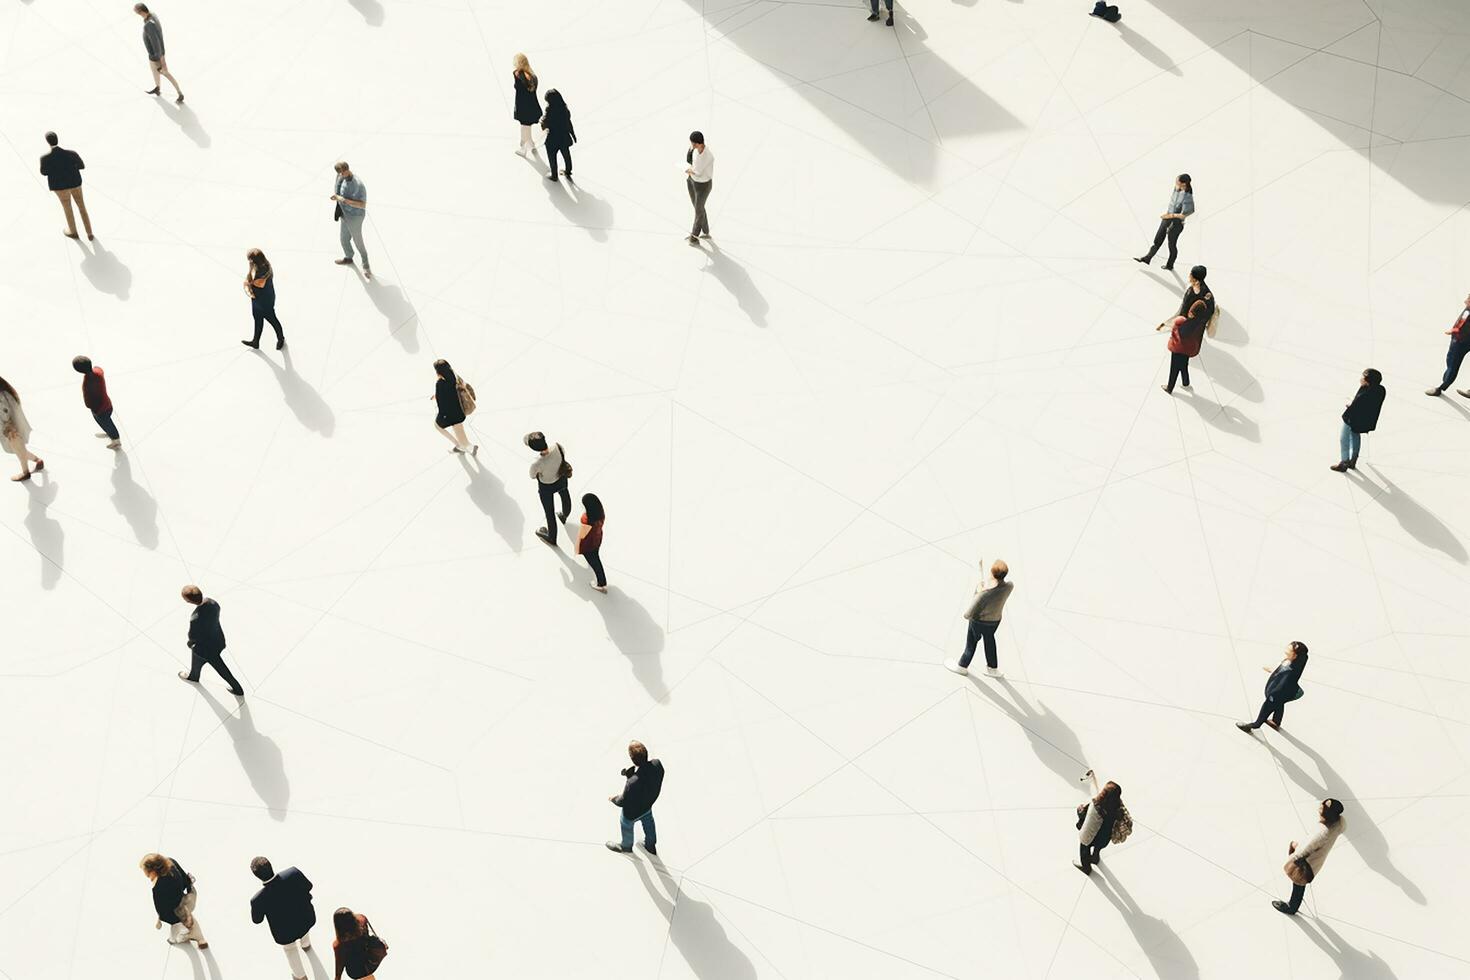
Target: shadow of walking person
x=1053, y=742
x=1150, y=51
x=696, y=933
x=47, y=537
x=581, y=207
x=403, y=319
x=183, y=117
x=259, y=755
x=487, y=492
x=204, y=965
x=1412, y=517
x=632, y=630
x=1222, y=368
x=105, y=271
x=1165, y=950
x=737, y=283
x=318, y=969
x=1226, y=418
x=1362, y=832
x=371, y=10
x=304, y=401
x=1353, y=963
x=134, y=503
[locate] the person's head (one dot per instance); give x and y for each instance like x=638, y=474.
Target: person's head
x=345, y=924
x=1330, y=812
x=696, y=140
x=442, y=368
x=9, y=389
x=343, y=168
x=1296, y=650
x=1197, y=277
x=536, y=441
x=1110, y=798
x=999, y=570
x=523, y=65
x=192, y=594
x=81, y=364
x=638, y=752
x=261, y=868
x=554, y=99
x=51, y=140
x=257, y=259
x=593, y=507
x=154, y=865
x=1372, y=377
x=141, y=9
x=1183, y=183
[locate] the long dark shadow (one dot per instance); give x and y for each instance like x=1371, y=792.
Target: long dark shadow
x=635, y=633
x=1164, y=947
x=737, y=283
x=47, y=537
x=104, y=270
x=487, y=492
x=696, y=933
x=184, y=117
x=580, y=207
x=1421, y=524
x=1353, y=962
x=1054, y=743
x=259, y=755
x=1226, y=418
x=134, y=503
x=403, y=319
x=371, y=10
x=304, y=401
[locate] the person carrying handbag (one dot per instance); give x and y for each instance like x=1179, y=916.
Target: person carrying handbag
x=1101, y=821
x=174, y=898
x=356, y=948
x=551, y=471
x=1304, y=862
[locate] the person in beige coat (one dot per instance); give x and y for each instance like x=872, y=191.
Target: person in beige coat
x=15, y=432
x=1305, y=860
x=983, y=612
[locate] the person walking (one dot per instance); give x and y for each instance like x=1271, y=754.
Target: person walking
x=62, y=169
x=589, y=538
x=1453, y=358
x=559, y=133
x=700, y=176
x=527, y=110
x=356, y=948
x=1284, y=684
x=1171, y=222
x=983, y=614
x=1187, y=329
x=15, y=432
x=153, y=44
x=1100, y=821
x=1304, y=862
x=551, y=471
x=874, y=15
x=643, y=782
x=351, y=197
x=1359, y=417
x=94, y=396
x=174, y=898
x=284, y=901
x=260, y=286
x=449, y=397
x=206, y=640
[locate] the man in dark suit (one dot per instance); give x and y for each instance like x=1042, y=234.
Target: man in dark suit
x=63, y=172
x=644, y=781
x=207, y=640
x=285, y=902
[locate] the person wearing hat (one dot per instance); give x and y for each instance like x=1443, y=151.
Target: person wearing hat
x=1171, y=222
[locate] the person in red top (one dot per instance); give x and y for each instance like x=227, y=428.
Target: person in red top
x=1459, y=335
x=94, y=396
x=589, y=538
x=1195, y=310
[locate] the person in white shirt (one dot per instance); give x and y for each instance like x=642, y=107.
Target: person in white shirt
x=701, y=180
x=1305, y=861
x=551, y=472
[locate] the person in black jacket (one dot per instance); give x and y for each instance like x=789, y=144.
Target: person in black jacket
x=527, y=107
x=206, y=640
x=1360, y=416
x=645, y=780
x=285, y=902
x=63, y=172
x=450, y=418
x=174, y=897
x=1284, y=684
x=559, y=132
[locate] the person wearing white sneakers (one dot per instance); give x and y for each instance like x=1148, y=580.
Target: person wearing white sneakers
x=94, y=396
x=984, y=616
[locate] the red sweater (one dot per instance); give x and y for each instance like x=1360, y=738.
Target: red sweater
x=94, y=391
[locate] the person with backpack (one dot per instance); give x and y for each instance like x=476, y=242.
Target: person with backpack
x=174, y=898
x=1304, y=861
x=1359, y=416
x=357, y=948
x=1284, y=684
x=455, y=399
x=551, y=471
x=1196, y=311
x=1101, y=821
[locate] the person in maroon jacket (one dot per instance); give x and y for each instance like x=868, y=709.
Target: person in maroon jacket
x=1459, y=347
x=94, y=396
x=1195, y=310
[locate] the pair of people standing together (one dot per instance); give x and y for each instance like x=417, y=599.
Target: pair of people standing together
x=551, y=471
x=556, y=121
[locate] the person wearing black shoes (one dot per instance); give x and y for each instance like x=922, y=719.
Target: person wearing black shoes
x=1098, y=822
x=206, y=640
x=63, y=172
x=874, y=15
x=260, y=286
x=350, y=193
x=700, y=176
x=1304, y=862
x=1171, y=222
x=153, y=44
x=1359, y=417
x=551, y=471
x=284, y=901
x=1284, y=684
x=1454, y=357
x=559, y=133
x=644, y=781
x=1187, y=330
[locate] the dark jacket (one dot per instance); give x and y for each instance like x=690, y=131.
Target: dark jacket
x=558, y=125
x=168, y=891
x=528, y=107
x=62, y=169
x=446, y=398
x=641, y=790
x=205, y=635
x=1362, y=414
x=285, y=901
x=1285, y=680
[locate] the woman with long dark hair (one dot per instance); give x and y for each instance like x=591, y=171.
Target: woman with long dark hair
x=451, y=415
x=15, y=432
x=1188, y=327
x=1304, y=861
x=589, y=538
x=356, y=948
x=528, y=107
x=1284, y=684
x=1095, y=822
x=260, y=286
x=1171, y=222
x=559, y=132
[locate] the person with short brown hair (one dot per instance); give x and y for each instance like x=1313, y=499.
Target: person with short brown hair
x=206, y=640
x=644, y=781
x=174, y=898
x=284, y=901
x=983, y=614
x=153, y=44
x=62, y=169
x=351, y=197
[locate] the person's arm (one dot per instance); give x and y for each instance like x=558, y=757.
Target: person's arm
x=46, y=165
x=1187, y=207
x=337, y=956
x=1093, y=777
x=257, y=912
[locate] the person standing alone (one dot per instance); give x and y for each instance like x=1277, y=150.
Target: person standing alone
x=1304, y=862
x=94, y=396
x=351, y=197
x=174, y=898
x=1360, y=416
x=206, y=640
x=153, y=44
x=284, y=901
x=700, y=176
x=260, y=286
x=15, y=432
x=983, y=614
x=1454, y=357
x=1284, y=684
x=1171, y=222
x=644, y=781
x=63, y=172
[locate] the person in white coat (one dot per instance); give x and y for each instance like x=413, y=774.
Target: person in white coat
x=15, y=432
x=1306, y=859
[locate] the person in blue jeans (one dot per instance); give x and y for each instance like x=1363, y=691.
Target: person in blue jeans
x=351, y=197
x=1360, y=416
x=644, y=780
x=874, y=15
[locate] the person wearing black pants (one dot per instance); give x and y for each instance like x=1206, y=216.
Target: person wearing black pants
x=1455, y=356
x=1171, y=222
x=983, y=614
x=1282, y=686
x=206, y=640
x=1095, y=820
x=560, y=134
x=589, y=538
x=1304, y=861
x=94, y=396
x=260, y=286
x=551, y=471
x=1188, y=328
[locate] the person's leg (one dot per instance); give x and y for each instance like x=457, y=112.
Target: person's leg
x=1175, y=227
x=196, y=664
x=71, y=219
x=704, y=192
x=344, y=234
x=694, y=203
x=627, y=827
x=566, y=501
x=357, y=223
x=1454, y=357
x=594, y=562
x=1084, y=858
x=987, y=634
x=1158, y=241
x=163, y=70
x=1298, y=892
x=81, y=202
x=547, y=493
x=218, y=663
x=293, y=960
x=1279, y=714
x=1184, y=370
x=526, y=140
x=1344, y=442
x=1174, y=364
x=275, y=323
x=446, y=434
x=460, y=439
x=874, y=5
x=259, y=326
x=972, y=638
x=650, y=832
x=1261, y=715
x=105, y=423
x=157, y=84
x=566, y=153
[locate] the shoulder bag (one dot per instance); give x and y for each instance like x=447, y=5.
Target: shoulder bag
x=563, y=472
x=466, y=392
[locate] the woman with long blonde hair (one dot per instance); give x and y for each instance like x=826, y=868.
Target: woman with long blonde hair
x=528, y=106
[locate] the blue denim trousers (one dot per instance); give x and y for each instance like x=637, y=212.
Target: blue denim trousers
x=650, y=832
x=1350, y=441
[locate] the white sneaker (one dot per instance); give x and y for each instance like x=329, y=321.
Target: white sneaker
x=115, y=444
x=993, y=672
x=954, y=665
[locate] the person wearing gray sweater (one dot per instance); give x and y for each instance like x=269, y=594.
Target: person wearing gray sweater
x=153, y=44
x=983, y=613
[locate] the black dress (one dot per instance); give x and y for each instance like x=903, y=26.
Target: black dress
x=446, y=394
x=558, y=126
x=528, y=107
